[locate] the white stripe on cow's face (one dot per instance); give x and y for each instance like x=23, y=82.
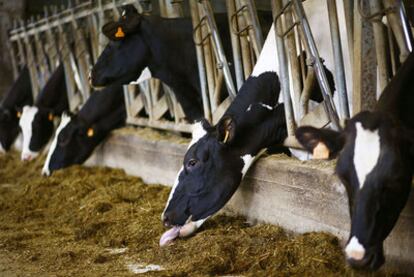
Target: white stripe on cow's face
x=2, y=151
x=64, y=121
x=172, y=191
x=366, y=152
x=354, y=249
x=25, y=122
x=197, y=134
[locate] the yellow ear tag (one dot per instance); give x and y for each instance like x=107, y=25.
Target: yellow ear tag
x=19, y=114
x=90, y=132
x=119, y=33
x=50, y=117
x=320, y=152
x=226, y=137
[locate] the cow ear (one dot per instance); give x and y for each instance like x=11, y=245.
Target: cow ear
x=113, y=31
x=322, y=143
x=226, y=129
x=119, y=30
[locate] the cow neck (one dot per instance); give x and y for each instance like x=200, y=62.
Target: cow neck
x=397, y=98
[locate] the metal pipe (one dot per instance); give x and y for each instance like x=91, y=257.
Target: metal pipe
x=200, y=60
x=294, y=66
x=218, y=46
x=235, y=44
x=396, y=18
x=283, y=70
x=317, y=65
x=338, y=60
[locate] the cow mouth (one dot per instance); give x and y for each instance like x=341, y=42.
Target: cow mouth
x=178, y=231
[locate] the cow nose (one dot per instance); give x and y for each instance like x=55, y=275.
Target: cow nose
x=27, y=157
x=371, y=261
x=166, y=219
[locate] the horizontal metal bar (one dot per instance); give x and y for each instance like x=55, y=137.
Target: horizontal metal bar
x=64, y=17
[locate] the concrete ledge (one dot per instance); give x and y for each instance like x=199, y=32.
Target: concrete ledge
x=300, y=196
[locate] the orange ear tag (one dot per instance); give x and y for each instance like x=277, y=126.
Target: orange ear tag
x=19, y=114
x=90, y=132
x=119, y=33
x=50, y=117
x=320, y=152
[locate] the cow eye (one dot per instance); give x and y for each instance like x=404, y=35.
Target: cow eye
x=192, y=163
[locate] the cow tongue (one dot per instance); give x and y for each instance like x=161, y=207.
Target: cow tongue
x=170, y=235
x=178, y=231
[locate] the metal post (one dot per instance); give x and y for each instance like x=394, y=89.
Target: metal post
x=381, y=48
x=254, y=29
x=317, y=64
x=218, y=47
x=398, y=22
x=200, y=60
x=283, y=70
x=235, y=43
x=338, y=60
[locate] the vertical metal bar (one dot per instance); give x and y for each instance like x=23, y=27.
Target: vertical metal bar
x=399, y=26
x=31, y=62
x=218, y=46
x=294, y=66
x=235, y=43
x=283, y=70
x=349, y=21
x=52, y=45
x=13, y=58
x=380, y=45
x=200, y=60
x=317, y=65
x=253, y=21
x=338, y=60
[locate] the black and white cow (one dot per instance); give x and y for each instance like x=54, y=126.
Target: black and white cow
x=219, y=156
x=19, y=95
x=163, y=45
x=78, y=135
x=376, y=164
x=37, y=122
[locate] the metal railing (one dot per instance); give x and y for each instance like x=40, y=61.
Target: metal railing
x=71, y=35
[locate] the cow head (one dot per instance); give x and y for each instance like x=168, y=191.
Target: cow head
x=9, y=128
x=125, y=56
x=216, y=161
x=74, y=141
x=374, y=165
x=37, y=126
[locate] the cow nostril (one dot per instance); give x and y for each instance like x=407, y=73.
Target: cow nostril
x=166, y=220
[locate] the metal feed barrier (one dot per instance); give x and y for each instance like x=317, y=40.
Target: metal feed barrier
x=71, y=35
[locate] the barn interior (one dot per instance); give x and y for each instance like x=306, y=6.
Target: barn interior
x=288, y=217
